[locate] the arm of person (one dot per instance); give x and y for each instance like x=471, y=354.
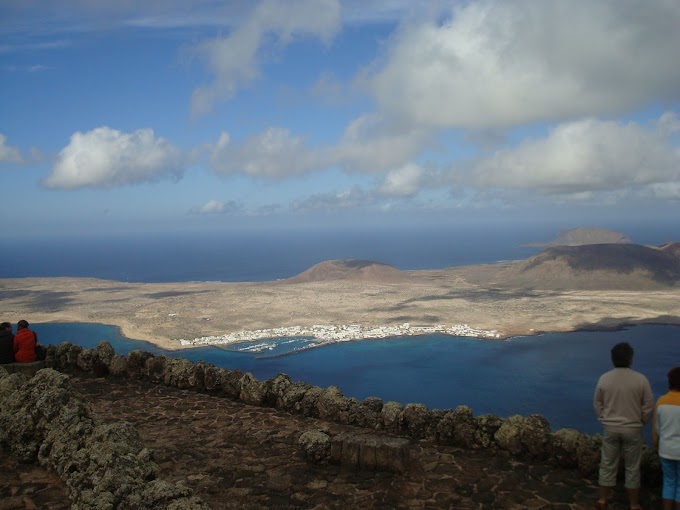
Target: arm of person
x=598, y=402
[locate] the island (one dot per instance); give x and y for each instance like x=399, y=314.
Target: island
x=584, y=235
x=563, y=288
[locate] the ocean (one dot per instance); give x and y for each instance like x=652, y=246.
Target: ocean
x=271, y=254
x=551, y=374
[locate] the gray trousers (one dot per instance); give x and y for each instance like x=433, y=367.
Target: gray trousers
x=615, y=445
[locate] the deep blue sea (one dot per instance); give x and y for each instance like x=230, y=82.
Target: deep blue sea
x=262, y=255
x=552, y=374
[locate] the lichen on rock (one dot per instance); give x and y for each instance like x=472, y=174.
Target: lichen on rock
x=316, y=446
x=104, y=465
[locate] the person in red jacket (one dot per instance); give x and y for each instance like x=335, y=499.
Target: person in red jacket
x=24, y=344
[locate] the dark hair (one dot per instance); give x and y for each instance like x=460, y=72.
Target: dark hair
x=22, y=324
x=674, y=379
x=622, y=355
x=6, y=325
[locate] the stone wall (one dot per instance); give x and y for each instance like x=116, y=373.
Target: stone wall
x=528, y=437
x=104, y=466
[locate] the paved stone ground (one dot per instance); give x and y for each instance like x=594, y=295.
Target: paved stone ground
x=244, y=457
x=29, y=487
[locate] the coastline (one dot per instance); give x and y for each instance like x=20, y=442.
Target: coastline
x=341, y=333
x=134, y=334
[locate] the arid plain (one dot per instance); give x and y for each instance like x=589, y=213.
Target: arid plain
x=503, y=297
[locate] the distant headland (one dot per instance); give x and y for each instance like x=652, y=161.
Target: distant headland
x=562, y=288
x=584, y=235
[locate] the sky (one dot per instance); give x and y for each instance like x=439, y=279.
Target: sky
x=195, y=115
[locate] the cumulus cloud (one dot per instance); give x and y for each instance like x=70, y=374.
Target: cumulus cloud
x=668, y=124
x=666, y=191
x=371, y=145
x=494, y=63
x=105, y=158
x=584, y=156
x=234, y=59
x=217, y=207
x=403, y=182
x=275, y=154
x=9, y=154
x=367, y=146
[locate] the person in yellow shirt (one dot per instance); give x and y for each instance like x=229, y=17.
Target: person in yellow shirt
x=666, y=437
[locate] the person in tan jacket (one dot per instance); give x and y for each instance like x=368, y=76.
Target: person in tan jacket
x=623, y=403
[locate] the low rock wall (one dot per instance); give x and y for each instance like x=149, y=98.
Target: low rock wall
x=30, y=369
x=104, y=466
x=522, y=436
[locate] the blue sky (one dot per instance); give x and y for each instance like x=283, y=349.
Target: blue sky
x=199, y=114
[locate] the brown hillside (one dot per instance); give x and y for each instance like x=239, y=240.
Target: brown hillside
x=350, y=269
x=595, y=266
x=671, y=248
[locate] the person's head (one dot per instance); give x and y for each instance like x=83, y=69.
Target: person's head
x=22, y=324
x=674, y=379
x=6, y=326
x=622, y=355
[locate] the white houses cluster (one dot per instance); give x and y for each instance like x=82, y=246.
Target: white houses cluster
x=341, y=333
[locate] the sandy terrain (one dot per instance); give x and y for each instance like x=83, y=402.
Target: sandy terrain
x=162, y=313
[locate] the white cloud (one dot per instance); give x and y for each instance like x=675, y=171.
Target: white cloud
x=584, y=156
x=367, y=146
x=32, y=47
x=105, y=158
x=496, y=63
x=666, y=191
x=234, y=59
x=371, y=145
x=75, y=16
x=9, y=154
x=217, y=207
x=403, y=182
x=275, y=154
x=349, y=199
x=38, y=68
x=668, y=124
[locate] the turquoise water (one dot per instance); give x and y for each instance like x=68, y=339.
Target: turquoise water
x=552, y=374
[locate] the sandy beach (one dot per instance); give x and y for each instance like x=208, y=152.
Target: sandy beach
x=163, y=313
